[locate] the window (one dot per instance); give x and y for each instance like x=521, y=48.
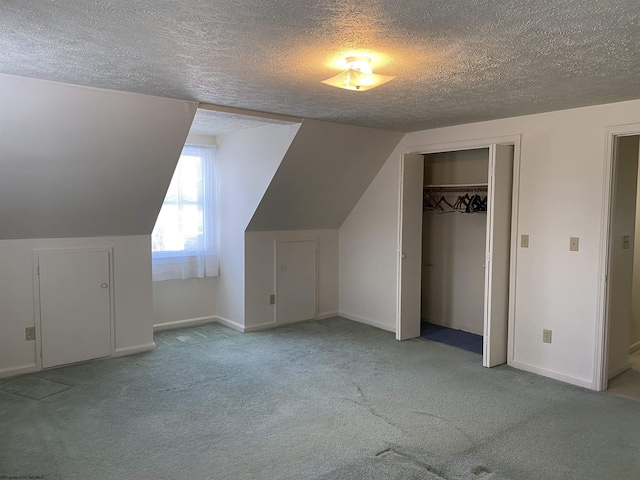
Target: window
x=184, y=239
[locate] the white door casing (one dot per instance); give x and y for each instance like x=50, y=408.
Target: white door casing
x=410, y=247
x=498, y=255
x=74, y=306
x=296, y=281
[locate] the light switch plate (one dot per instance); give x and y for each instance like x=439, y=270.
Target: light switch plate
x=524, y=241
x=272, y=299
x=626, y=242
x=546, y=336
x=574, y=243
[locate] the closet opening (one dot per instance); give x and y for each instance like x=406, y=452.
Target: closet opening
x=454, y=231
x=455, y=248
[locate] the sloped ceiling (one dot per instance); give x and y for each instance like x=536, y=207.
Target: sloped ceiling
x=84, y=162
x=322, y=176
x=456, y=61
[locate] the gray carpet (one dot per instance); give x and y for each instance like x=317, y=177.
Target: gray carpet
x=327, y=400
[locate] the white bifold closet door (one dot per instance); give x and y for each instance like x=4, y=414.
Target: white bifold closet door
x=75, y=306
x=498, y=254
x=410, y=247
x=296, y=274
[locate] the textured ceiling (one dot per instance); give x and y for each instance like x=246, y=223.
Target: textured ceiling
x=456, y=61
x=207, y=122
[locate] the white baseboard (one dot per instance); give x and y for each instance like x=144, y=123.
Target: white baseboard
x=580, y=382
x=634, y=348
x=269, y=325
x=618, y=370
x=189, y=322
x=260, y=326
x=230, y=323
x=120, y=352
x=22, y=369
x=366, y=321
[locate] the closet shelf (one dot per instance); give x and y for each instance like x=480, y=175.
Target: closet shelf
x=459, y=185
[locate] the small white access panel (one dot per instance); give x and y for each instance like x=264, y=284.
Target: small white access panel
x=296, y=274
x=410, y=247
x=498, y=254
x=75, y=306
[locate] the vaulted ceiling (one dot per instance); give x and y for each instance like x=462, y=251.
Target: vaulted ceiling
x=456, y=61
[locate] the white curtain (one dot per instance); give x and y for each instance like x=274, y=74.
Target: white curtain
x=184, y=240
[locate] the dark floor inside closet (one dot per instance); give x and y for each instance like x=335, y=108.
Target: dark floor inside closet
x=455, y=338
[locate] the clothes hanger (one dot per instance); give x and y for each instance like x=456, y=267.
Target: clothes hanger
x=443, y=199
x=428, y=201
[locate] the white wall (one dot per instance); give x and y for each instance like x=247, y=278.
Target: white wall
x=561, y=195
x=464, y=166
x=178, y=300
x=368, y=248
x=247, y=161
x=131, y=291
x=260, y=273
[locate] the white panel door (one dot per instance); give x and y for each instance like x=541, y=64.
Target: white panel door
x=75, y=318
x=498, y=255
x=296, y=281
x=410, y=247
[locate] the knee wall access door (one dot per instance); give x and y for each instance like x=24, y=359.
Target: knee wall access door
x=296, y=274
x=75, y=306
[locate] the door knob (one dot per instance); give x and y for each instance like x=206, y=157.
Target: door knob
x=104, y=285
x=403, y=256
x=283, y=268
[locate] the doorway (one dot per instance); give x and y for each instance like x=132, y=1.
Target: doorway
x=622, y=372
x=497, y=253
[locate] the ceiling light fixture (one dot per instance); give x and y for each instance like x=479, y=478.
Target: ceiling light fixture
x=358, y=76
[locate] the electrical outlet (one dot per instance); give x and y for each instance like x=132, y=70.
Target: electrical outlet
x=626, y=242
x=546, y=336
x=524, y=241
x=30, y=333
x=272, y=299
x=574, y=244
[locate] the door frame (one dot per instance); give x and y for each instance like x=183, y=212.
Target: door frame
x=601, y=350
x=35, y=257
x=276, y=242
x=423, y=149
